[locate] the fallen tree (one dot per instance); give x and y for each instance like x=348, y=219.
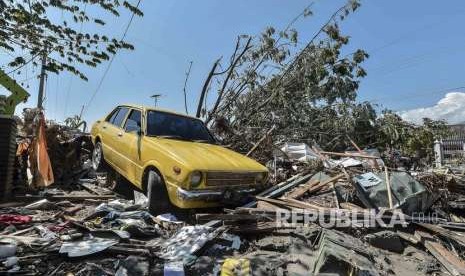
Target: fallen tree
x=272, y=91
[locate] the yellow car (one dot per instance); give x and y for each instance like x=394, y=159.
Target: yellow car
x=173, y=158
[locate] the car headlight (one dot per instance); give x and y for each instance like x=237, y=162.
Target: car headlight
x=260, y=177
x=196, y=178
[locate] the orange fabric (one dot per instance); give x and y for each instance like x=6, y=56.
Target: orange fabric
x=23, y=147
x=43, y=161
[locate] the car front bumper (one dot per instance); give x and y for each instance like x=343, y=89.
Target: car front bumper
x=229, y=195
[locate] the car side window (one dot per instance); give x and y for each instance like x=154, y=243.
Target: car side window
x=112, y=115
x=118, y=120
x=133, y=122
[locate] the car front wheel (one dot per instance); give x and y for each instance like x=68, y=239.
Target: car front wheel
x=157, y=194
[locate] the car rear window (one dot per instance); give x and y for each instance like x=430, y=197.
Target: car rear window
x=118, y=119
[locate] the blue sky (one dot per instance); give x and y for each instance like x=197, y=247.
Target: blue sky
x=416, y=51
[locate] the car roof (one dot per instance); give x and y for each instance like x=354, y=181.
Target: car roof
x=139, y=106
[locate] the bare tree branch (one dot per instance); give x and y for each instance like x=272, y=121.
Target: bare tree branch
x=185, y=84
x=205, y=87
x=225, y=82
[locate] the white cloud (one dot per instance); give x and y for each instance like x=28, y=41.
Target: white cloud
x=451, y=108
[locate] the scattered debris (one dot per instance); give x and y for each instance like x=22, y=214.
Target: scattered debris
x=323, y=213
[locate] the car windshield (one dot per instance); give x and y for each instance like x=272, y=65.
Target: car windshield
x=174, y=126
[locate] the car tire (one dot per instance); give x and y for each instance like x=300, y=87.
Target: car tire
x=98, y=161
x=157, y=194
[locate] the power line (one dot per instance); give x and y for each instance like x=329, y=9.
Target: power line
x=65, y=110
x=110, y=63
x=56, y=97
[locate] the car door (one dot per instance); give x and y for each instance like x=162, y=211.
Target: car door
x=104, y=133
x=131, y=145
x=113, y=141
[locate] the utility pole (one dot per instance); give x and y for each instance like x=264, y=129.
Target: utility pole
x=155, y=97
x=40, y=98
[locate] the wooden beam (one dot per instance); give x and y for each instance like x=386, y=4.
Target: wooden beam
x=261, y=140
x=351, y=206
x=300, y=191
x=68, y=197
x=275, y=201
x=304, y=205
x=451, y=262
x=325, y=182
x=349, y=155
x=388, y=188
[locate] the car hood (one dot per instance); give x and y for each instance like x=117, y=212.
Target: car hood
x=203, y=156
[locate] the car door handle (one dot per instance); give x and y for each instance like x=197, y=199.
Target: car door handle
x=120, y=134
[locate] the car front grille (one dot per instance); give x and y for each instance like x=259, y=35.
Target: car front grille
x=230, y=178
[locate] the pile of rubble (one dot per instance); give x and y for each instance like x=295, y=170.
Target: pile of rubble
x=69, y=150
x=346, y=216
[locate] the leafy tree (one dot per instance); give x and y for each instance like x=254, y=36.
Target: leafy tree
x=269, y=86
x=412, y=140
x=75, y=122
x=307, y=94
x=28, y=31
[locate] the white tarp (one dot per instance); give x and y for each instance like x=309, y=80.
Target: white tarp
x=299, y=151
x=186, y=242
x=87, y=247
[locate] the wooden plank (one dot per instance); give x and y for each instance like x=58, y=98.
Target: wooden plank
x=408, y=237
x=20, y=232
x=373, y=162
x=349, y=155
x=228, y=217
x=274, y=201
x=388, y=187
x=325, y=182
x=300, y=191
x=304, y=205
x=89, y=188
x=260, y=227
x=351, y=206
x=261, y=140
x=67, y=197
x=423, y=236
x=274, y=191
x=127, y=251
x=293, y=203
x=451, y=262
x=263, y=205
x=458, y=237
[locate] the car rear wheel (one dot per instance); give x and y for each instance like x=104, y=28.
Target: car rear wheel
x=98, y=162
x=157, y=194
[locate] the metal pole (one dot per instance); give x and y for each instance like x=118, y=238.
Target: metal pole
x=40, y=98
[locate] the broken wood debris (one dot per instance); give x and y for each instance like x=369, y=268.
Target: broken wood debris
x=101, y=222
